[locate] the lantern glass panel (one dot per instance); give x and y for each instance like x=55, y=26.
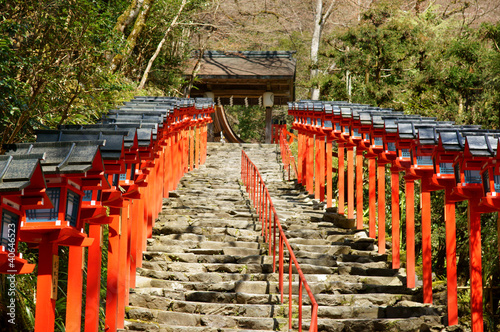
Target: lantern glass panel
x=10, y=222
x=116, y=179
x=87, y=197
x=486, y=182
x=132, y=172
x=72, y=204
x=496, y=179
x=472, y=176
x=456, y=169
x=424, y=160
x=378, y=141
x=355, y=133
x=405, y=153
x=328, y=124
x=346, y=130
x=446, y=168
x=338, y=127
x=391, y=146
x=308, y=121
x=46, y=214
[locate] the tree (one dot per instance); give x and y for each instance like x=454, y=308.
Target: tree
x=320, y=17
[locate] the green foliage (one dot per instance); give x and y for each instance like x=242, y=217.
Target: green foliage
x=419, y=64
x=248, y=122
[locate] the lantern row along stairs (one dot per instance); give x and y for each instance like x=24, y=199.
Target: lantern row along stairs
x=62, y=189
x=461, y=160
x=208, y=268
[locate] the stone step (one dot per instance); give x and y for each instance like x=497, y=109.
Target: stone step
x=172, y=318
x=167, y=229
x=144, y=326
x=211, y=237
x=194, y=258
x=229, y=251
x=161, y=240
x=402, y=309
x=243, y=275
x=331, y=284
x=379, y=299
x=207, y=267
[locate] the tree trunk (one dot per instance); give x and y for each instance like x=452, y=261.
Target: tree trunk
x=319, y=20
x=160, y=45
x=128, y=15
x=315, y=41
x=139, y=24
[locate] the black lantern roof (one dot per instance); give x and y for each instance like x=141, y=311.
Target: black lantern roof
x=130, y=138
x=481, y=145
x=60, y=157
x=391, y=121
x=451, y=140
x=16, y=171
x=112, y=150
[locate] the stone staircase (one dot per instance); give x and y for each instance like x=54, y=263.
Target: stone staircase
x=206, y=267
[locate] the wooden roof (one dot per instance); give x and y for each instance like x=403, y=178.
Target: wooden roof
x=245, y=74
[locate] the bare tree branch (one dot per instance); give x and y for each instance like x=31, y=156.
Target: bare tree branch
x=160, y=45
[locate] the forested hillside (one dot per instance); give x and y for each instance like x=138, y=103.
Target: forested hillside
x=67, y=61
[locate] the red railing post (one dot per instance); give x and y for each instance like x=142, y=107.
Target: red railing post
x=381, y=208
x=350, y=182
x=475, y=265
x=410, y=233
x=329, y=189
x=359, y=189
x=371, y=197
x=451, y=258
x=395, y=217
x=425, y=196
x=341, y=181
x=317, y=165
x=322, y=169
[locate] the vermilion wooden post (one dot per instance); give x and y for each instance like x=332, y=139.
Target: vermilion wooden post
x=475, y=265
x=123, y=267
x=74, y=293
x=317, y=166
x=371, y=197
x=425, y=196
x=197, y=147
x=303, y=160
x=322, y=169
x=329, y=192
x=350, y=182
x=310, y=164
x=94, y=274
x=46, y=306
x=381, y=207
x=395, y=217
x=359, y=189
x=300, y=147
x=410, y=232
x=134, y=230
x=341, y=182
x=113, y=271
x=451, y=258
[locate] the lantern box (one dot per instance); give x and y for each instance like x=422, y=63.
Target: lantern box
x=69, y=168
x=22, y=186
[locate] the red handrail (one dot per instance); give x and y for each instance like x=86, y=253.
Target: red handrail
x=261, y=199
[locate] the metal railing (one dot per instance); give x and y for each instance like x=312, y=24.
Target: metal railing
x=271, y=227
